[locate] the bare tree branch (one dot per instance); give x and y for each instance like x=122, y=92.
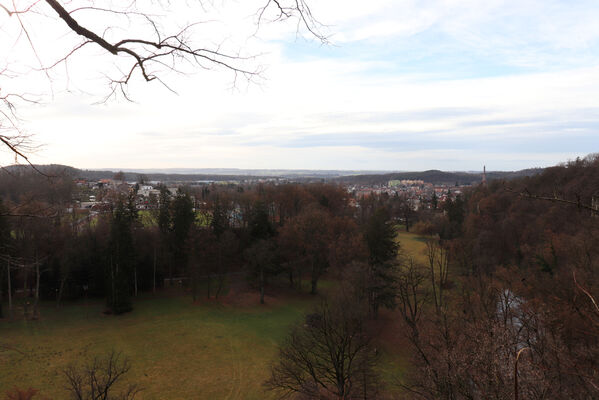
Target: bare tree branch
x=555, y=198
x=149, y=54
x=586, y=292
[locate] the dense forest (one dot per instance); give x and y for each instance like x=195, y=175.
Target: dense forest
x=521, y=285
x=197, y=233
x=505, y=304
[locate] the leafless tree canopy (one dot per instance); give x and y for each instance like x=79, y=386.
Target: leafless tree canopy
x=330, y=356
x=140, y=36
x=97, y=379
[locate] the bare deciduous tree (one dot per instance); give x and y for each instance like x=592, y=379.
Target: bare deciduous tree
x=96, y=380
x=438, y=259
x=411, y=295
x=329, y=355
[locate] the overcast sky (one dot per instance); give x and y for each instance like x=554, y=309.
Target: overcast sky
x=404, y=85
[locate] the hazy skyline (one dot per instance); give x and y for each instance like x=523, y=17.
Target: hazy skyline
x=404, y=85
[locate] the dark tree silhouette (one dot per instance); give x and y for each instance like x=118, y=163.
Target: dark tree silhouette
x=382, y=259
x=261, y=257
x=329, y=356
x=122, y=257
x=182, y=216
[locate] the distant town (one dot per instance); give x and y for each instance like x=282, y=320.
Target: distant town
x=96, y=195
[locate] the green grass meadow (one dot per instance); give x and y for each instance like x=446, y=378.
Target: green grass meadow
x=412, y=245
x=178, y=350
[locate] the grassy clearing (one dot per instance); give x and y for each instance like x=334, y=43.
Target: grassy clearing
x=392, y=368
x=147, y=219
x=179, y=350
x=413, y=245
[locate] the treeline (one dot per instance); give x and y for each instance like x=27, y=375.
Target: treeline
x=198, y=239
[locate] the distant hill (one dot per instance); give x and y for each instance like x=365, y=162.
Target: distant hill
x=227, y=174
x=49, y=169
x=305, y=173
x=136, y=175
x=437, y=177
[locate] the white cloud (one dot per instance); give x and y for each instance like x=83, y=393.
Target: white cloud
x=260, y=126
x=520, y=32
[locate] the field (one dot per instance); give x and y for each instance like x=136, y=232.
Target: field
x=178, y=350
x=413, y=246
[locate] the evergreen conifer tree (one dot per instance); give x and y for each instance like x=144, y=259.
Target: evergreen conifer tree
x=122, y=256
x=382, y=246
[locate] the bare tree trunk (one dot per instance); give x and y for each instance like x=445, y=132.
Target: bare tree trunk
x=116, y=294
x=85, y=288
x=373, y=295
x=135, y=279
x=516, y=395
x=443, y=264
x=431, y=250
x=154, y=273
x=219, y=270
x=112, y=294
x=314, y=278
x=194, y=284
x=25, y=276
x=1, y=298
x=37, y=290
x=60, y=291
x=262, y=285
x=9, y=288
x=221, y=281
x=208, y=286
